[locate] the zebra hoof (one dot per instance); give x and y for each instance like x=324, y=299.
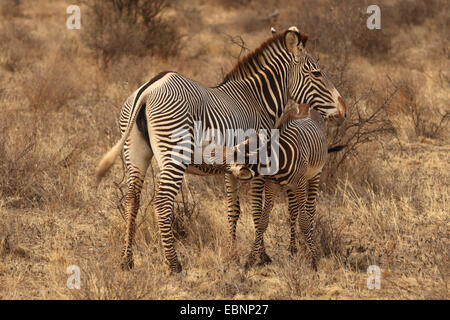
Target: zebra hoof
x=127, y=264
x=175, y=267
x=264, y=259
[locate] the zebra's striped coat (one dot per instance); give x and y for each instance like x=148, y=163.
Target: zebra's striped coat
x=253, y=95
x=303, y=150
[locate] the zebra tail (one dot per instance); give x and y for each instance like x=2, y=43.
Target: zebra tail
x=336, y=148
x=108, y=160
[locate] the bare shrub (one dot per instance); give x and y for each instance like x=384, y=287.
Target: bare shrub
x=53, y=83
x=11, y=8
x=32, y=174
x=414, y=12
x=329, y=236
x=367, y=123
x=17, y=46
x=131, y=72
x=335, y=32
x=21, y=164
x=371, y=43
x=17, y=170
x=297, y=276
x=427, y=120
x=376, y=44
x=139, y=29
x=233, y=3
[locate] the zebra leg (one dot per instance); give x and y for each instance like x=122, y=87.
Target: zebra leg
x=171, y=178
x=138, y=155
x=234, y=210
x=131, y=209
x=313, y=188
x=293, y=212
x=268, y=206
x=305, y=221
x=259, y=220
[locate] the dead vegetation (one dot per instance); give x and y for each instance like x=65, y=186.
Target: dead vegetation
x=383, y=201
x=11, y=8
x=427, y=120
x=18, y=46
x=132, y=28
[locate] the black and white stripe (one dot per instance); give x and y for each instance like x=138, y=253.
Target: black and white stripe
x=303, y=151
x=252, y=96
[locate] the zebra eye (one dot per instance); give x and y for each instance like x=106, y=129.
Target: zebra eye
x=316, y=73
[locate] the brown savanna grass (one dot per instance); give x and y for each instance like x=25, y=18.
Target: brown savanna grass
x=383, y=201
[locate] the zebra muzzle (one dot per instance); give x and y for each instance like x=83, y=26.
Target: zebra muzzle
x=242, y=172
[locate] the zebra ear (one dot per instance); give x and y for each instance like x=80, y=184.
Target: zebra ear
x=273, y=30
x=291, y=39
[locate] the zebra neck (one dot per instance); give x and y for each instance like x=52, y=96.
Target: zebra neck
x=266, y=91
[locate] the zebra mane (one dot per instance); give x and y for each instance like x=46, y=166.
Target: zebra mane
x=253, y=58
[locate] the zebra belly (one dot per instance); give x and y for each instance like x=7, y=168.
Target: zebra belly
x=203, y=170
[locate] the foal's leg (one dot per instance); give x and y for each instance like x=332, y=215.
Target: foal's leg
x=293, y=213
x=302, y=193
x=269, y=194
x=260, y=220
x=234, y=209
x=313, y=188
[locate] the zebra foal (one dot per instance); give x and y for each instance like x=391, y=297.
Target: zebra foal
x=303, y=151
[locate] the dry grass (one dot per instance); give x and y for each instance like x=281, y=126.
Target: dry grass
x=18, y=46
x=139, y=29
x=387, y=204
x=11, y=8
x=52, y=83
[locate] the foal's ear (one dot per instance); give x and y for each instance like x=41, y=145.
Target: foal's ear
x=303, y=111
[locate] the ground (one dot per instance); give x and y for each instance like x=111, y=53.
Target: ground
x=384, y=204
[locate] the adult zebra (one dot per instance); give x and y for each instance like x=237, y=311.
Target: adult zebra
x=251, y=96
